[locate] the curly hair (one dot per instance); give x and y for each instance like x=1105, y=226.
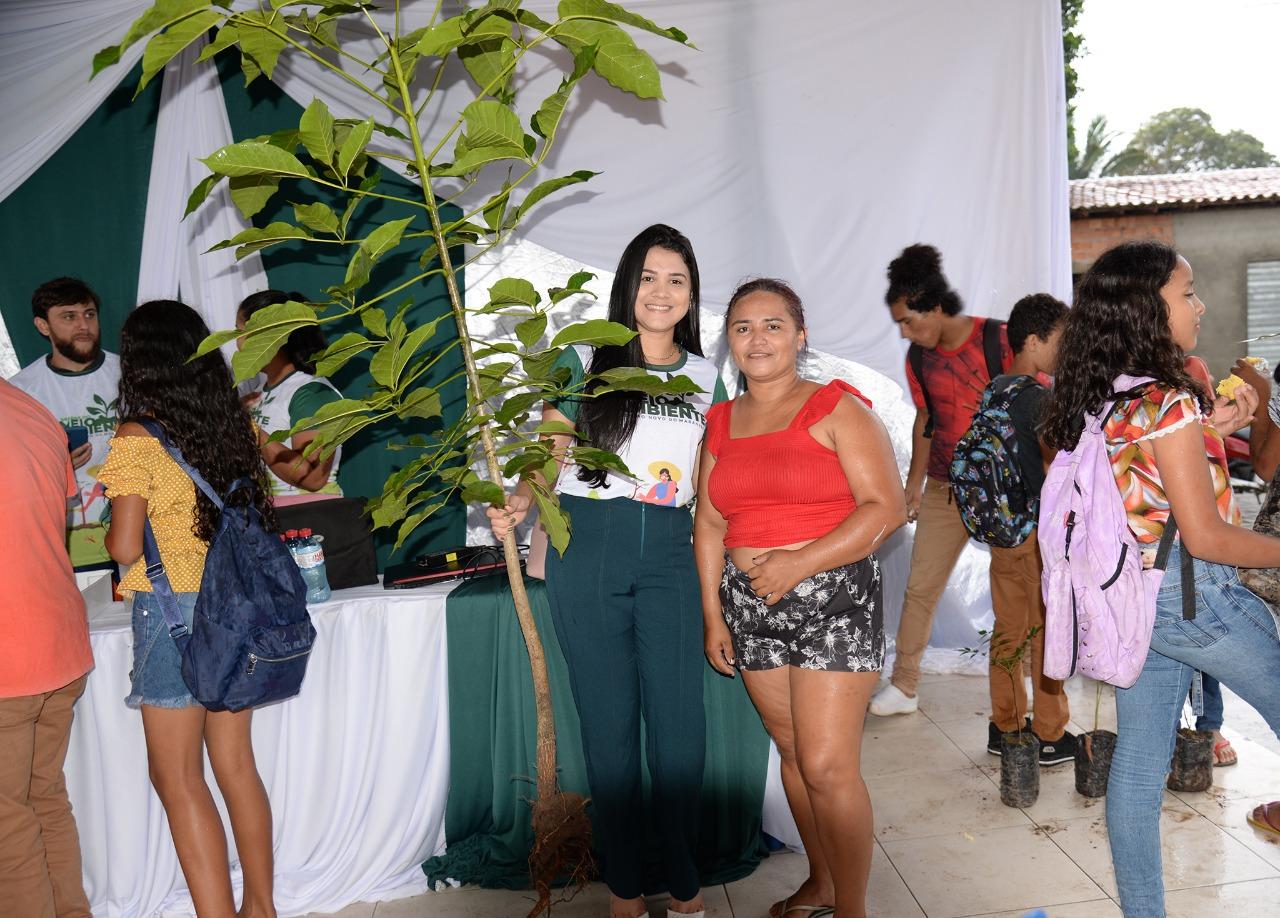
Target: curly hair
x=1035, y=314
x=1119, y=324
x=302, y=346
x=195, y=402
x=916, y=276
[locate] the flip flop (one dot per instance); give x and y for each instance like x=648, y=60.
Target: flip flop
x=812, y=911
x=1268, y=823
x=698, y=914
x=1224, y=744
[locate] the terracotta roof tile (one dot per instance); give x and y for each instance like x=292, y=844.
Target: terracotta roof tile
x=1180, y=191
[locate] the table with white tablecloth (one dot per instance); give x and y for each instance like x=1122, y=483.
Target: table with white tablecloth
x=356, y=766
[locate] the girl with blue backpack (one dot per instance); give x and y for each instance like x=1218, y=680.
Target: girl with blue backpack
x=196, y=405
x=1121, y=371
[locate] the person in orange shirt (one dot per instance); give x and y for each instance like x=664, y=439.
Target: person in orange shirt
x=44, y=659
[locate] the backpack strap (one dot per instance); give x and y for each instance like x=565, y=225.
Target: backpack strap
x=162, y=589
x=1187, y=571
x=915, y=360
x=153, y=427
x=991, y=348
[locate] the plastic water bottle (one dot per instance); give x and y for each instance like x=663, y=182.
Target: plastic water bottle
x=309, y=557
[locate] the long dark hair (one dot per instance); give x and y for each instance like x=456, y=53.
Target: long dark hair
x=609, y=421
x=303, y=344
x=195, y=402
x=1119, y=324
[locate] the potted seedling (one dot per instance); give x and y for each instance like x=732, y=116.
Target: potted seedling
x=1192, y=766
x=1019, y=750
x=1093, y=755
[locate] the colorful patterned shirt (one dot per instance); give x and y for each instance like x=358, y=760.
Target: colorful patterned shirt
x=955, y=380
x=1131, y=431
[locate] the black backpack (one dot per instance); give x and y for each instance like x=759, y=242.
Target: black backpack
x=990, y=350
x=251, y=635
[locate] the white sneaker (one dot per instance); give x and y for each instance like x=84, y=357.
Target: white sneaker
x=891, y=700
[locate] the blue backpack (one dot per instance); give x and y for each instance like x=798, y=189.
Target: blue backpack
x=986, y=477
x=251, y=634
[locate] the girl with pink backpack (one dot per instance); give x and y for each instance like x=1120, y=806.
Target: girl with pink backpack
x=1136, y=315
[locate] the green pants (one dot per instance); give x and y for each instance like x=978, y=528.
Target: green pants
x=627, y=608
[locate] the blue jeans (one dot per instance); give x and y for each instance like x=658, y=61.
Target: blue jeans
x=1232, y=638
x=1211, y=719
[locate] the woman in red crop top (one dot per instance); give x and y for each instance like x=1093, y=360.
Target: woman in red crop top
x=802, y=487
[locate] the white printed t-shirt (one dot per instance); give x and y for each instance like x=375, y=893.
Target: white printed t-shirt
x=88, y=399
x=296, y=397
x=666, y=440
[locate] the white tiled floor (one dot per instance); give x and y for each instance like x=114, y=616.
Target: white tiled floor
x=946, y=846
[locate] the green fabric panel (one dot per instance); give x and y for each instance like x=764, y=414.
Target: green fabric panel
x=720, y=394
x=310, y=399
x=366, y=459
x=492, y=731
x=569, y=360
x=81, y=214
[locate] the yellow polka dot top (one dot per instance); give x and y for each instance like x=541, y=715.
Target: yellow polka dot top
x=140, y=466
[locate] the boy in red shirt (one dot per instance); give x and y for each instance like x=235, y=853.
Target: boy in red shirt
x=951, y=360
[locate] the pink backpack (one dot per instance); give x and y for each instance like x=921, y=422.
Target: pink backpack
x=1100, y=604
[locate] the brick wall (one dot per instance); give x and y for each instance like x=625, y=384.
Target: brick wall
x=1091, y=236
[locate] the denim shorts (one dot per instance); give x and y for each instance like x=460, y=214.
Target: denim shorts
x=156, y=678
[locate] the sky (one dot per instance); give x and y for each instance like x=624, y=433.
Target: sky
x=1147, y=56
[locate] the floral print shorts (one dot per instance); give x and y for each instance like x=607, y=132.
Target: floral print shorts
x=832, y=621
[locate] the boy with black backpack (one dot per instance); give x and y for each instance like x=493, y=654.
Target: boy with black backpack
x=997, y=474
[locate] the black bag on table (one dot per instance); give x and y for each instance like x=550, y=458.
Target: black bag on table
x=349, y=556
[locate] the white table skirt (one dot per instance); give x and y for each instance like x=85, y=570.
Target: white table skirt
x=356, y=766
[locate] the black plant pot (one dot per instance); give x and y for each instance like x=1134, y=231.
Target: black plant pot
x=1192, y=767
x=1019, y=769
x=1093, y=762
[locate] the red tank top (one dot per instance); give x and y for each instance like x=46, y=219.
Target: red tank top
x=779, y=487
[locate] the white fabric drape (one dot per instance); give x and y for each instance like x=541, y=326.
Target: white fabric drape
x=175, y=258
x=46, y=58
x=356, y=766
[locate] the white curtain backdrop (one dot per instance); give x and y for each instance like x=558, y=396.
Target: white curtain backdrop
x=809, y=140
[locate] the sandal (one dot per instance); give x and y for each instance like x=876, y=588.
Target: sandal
x=1221, y=750
x=1266, y=818
x=811, y=911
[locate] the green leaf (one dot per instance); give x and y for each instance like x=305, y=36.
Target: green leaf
x=492, y=124
x=486, y=60
x=265, y=332
x=317, y=216
x=611, y=11
x=337, y=422
x=225, y=38
x=167, y=45
x=250, y=193
x=634, y=379
x=200, y=192
x=413, y=521
x=554, y=520
x=249, y=68
x=259, y=41
x=354, y=145
x=421, y=403
x=390, y=509
x=514, y=290
x=530, y=330
x=484, y=492
x=213, y=342
x=542, y=189
x=375, y=320
x=253, y=157
x=337, y=354
x=596, y=332
x=574, y=287
x=255, y=238
x=555, y=428
x=474, y=160
x=618, y=59
x=384, y=238
x=442, y=38
x=547, y=117
x=315, y=128
x=495, y=209
x=160, y=15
